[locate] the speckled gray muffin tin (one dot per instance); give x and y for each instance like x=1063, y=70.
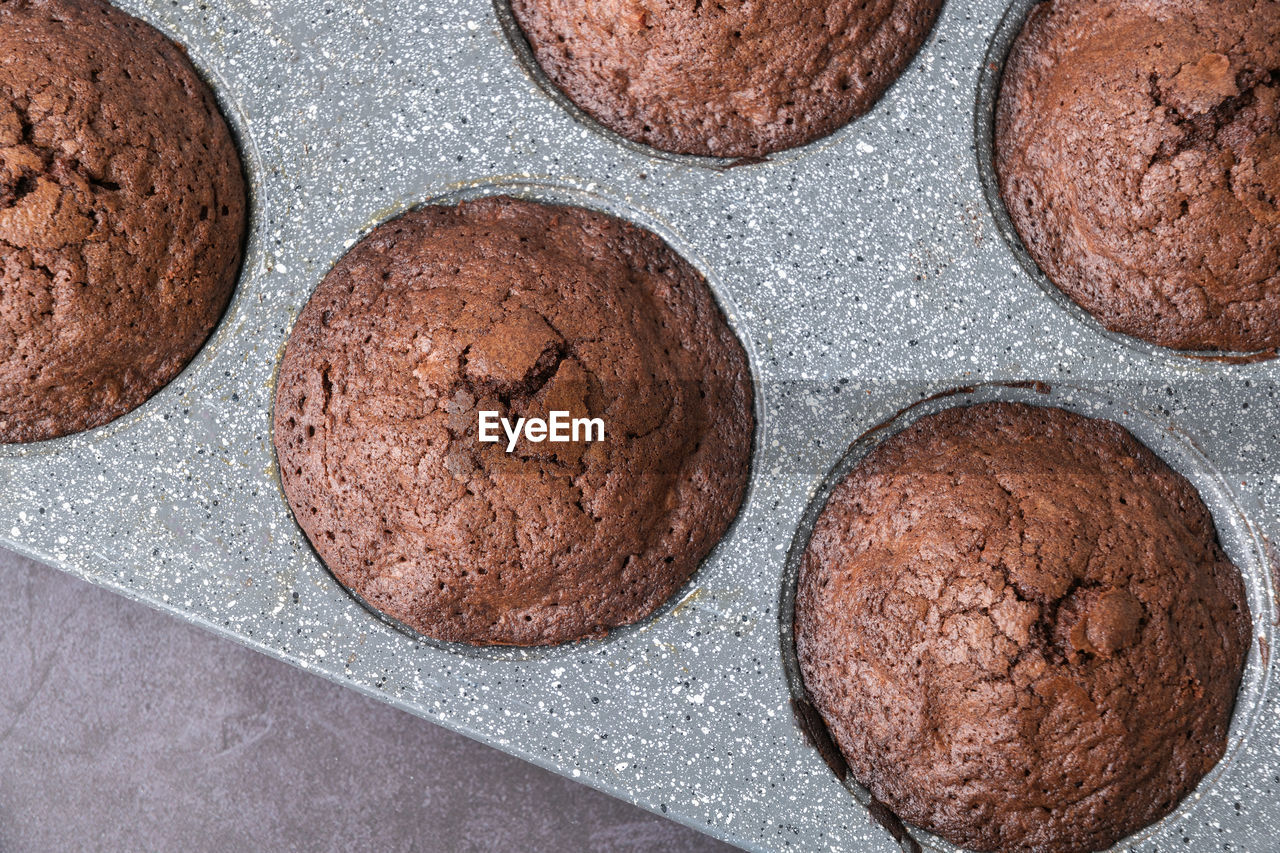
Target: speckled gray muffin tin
x=864, y=273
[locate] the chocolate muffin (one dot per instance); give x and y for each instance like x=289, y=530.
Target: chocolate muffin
x=727, y=79
x=1137, y=145
x=519, y=309
x=1021, y=630
x=122, y=215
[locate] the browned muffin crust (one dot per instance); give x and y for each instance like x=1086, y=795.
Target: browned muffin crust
x=522, y=308
x=1021, y=630
x=726, y=79
x=122, y=214
x=1137, y=146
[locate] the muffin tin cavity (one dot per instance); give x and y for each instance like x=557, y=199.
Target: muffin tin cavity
x=556, y=195
x=879, y=77
x=166, y=400
x=988, y=94
x=1238, y=535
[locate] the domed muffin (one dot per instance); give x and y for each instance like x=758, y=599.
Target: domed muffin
x=1021, y=630
x=727, y=79
x=1137, y=145
x=122, y=215
x=519, y=310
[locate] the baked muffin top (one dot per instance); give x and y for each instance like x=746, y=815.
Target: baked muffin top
x=730, y=78
x=1020, y=628
x=1137, y=146
x=122, y=215
x=522, y=309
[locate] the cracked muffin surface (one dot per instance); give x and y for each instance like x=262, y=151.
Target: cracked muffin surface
x=122, y=214
x=521, y=308
x=1137, y=146
x=729, y=78
x=1020, y=628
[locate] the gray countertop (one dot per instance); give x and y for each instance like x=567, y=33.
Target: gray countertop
x=124, y=729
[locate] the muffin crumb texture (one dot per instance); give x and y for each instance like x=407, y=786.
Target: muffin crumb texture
x=122, y=215
x=523, y=309
x=725, y=79
x=1138, y=154
x=1021, y=630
